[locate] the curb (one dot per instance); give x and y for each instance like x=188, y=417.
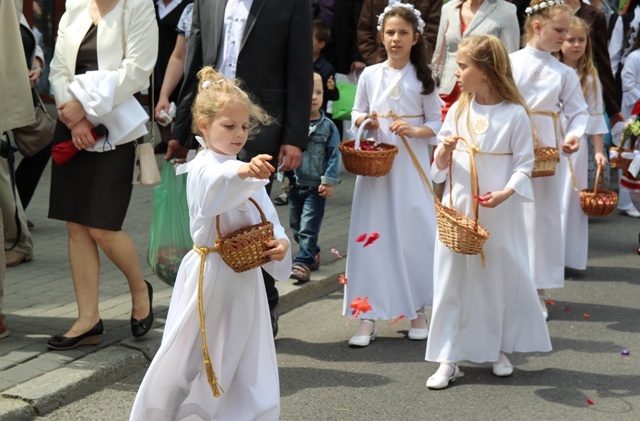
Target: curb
x=87, y=375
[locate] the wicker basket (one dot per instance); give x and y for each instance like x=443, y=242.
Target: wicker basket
x=242, y=249
x=596, y=202
x=368, y=163
x=545, y=159
x=459, y=233
x=619, y=162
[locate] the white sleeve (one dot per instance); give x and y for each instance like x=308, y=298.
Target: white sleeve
x=630, y=75
x=361, y=101
x=522, y=159
x=574, y=106
x=597, y=123
x=447, y=129
x=615, y=45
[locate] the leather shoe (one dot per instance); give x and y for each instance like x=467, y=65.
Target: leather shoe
x=141, y=327
x=4, y=329
x=438, y=381
x=14, y=258
x=92, y=337
x=502, y=370
x=364, y=340
x=416, y=334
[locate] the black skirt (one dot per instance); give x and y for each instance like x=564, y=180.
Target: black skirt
x=92, y=188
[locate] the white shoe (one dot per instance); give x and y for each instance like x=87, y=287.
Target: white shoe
x=543, y=306
x=633, y=212
x=416, y=334
x=502, y=367
x=439, y=381
x=363, y=340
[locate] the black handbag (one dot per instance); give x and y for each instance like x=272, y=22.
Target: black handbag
x=35, y=137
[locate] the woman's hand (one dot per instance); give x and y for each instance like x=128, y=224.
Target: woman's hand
x=571, y=145
x=493, y=199
x=258, y=167
x=81, y=135
x=325, y=191
x=277, y=249
x=71, y=113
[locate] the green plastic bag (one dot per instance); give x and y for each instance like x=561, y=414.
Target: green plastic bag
x=343, y=106
x=170, y=238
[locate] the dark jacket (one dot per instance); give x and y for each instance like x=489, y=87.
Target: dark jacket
x=275, y=65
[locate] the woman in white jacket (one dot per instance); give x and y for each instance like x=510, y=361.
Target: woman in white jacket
x=91, y=192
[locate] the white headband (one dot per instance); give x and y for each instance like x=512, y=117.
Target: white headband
x=407, y=6
x=540, y=6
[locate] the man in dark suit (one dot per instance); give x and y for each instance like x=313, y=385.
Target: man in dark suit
x=274, y=62
x=599, y=36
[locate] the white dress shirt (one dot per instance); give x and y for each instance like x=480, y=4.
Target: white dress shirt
x=235, y=20
x=165, y=9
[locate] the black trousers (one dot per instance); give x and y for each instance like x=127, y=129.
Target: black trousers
x=269, y=283
x=29, y=172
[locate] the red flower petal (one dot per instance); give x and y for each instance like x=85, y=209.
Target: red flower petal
x=585, y=316
x=342, y=279
x=373, y=237
x=336, y=252
x=567, y=309
x=551, y=302
x=361, y=238
x=360, y=305
x=396, y=320
x=590, y=402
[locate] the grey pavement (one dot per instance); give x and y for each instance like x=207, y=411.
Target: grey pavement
x=40, y=302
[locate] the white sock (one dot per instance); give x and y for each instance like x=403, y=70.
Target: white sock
x=366, y=328
x=445, y=370
x=502, y=359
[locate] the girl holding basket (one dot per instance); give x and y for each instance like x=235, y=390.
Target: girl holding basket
x=394, y=214
x=485, y=305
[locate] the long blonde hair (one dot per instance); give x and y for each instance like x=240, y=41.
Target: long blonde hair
x=215, y=93
x=488, y=54
x=585, y=68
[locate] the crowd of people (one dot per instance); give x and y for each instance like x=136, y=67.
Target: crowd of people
x=465, y=90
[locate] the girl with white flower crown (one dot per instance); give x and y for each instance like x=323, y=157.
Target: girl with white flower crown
x=217, y=359
x=485, y=306
x=396, y=99
x=559, y=114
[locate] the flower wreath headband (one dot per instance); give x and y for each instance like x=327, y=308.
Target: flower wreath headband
x=407, y=6
x=541, y=6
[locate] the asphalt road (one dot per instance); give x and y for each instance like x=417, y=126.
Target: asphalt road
x=593, y=319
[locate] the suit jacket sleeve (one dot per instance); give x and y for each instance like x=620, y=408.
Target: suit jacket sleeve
x=182, y=127
x=299, y=77
x=367, y=35
x=603, y=63
x=431, y=11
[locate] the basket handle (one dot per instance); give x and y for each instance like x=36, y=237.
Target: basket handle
x=475, y=188
x=416, y=163
x=262, y=216
x=356, y=145
x=599, y=176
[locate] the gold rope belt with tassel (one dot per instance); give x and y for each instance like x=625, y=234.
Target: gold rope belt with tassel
x=211, y=375
x=556, y=122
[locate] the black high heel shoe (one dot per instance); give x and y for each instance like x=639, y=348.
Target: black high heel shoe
x=141, y=327
x=92, y=337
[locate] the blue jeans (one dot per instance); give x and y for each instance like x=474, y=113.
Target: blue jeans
x=306, y=210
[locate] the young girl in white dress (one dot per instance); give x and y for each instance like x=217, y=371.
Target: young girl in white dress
x=395, y=271
x=576, y=53
x=483, y=311
x=559, y=114
x=236, y=314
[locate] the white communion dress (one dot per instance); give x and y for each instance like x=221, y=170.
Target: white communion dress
x=480, y=310
x=238, y=326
